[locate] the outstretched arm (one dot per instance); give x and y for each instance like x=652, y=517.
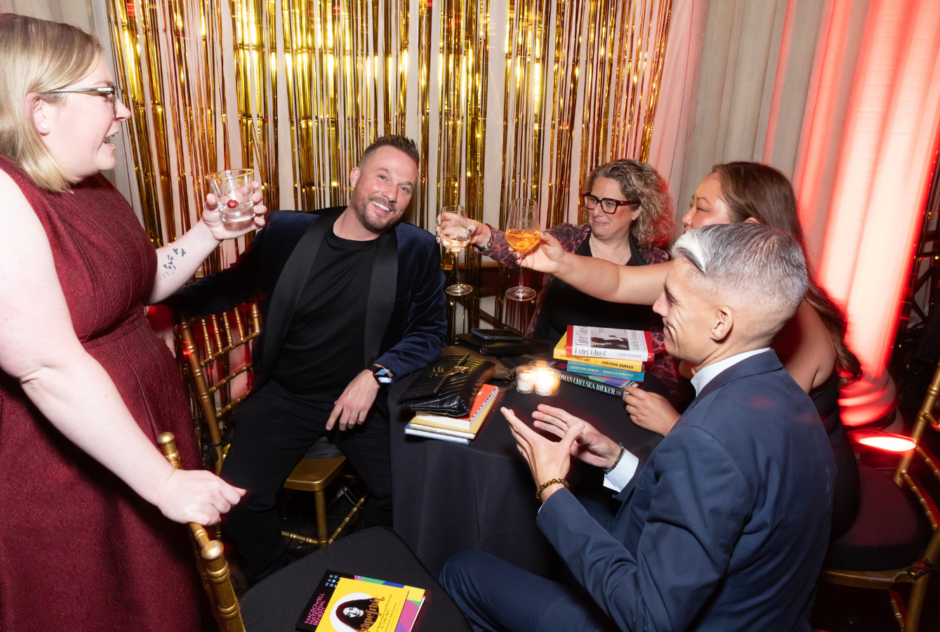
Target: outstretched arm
x=640, y=285
x=39, y=348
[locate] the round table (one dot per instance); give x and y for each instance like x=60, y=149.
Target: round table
x=449, y=497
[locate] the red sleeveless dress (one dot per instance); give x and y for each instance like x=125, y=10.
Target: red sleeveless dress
x=78, y=549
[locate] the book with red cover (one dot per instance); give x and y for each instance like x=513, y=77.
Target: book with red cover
x=604, y=342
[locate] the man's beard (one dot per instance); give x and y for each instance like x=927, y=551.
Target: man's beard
x=361, y=208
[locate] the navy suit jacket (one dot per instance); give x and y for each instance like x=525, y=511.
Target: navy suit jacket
x=406, y=325
x=726, y=526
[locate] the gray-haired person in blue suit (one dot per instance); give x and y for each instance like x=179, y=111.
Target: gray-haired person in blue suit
x=726, y=526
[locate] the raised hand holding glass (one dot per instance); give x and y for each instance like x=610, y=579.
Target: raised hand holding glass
x=454, y=236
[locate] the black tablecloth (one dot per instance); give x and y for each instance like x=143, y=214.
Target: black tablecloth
x=450, y=497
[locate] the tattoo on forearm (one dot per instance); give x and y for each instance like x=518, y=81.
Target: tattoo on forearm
x=169, y=268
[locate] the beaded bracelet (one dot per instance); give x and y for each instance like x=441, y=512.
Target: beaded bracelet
x=554, y=481
x=617, y=462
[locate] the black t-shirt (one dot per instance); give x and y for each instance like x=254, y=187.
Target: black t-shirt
x=564, y=305
x=323, y=350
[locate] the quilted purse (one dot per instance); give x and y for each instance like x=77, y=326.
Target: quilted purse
x=448, y=386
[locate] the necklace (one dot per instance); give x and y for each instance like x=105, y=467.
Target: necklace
x=596, y=249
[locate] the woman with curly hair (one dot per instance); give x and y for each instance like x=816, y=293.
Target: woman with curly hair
x=630, y=216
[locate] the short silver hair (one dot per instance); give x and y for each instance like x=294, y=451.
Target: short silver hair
x=748, y=264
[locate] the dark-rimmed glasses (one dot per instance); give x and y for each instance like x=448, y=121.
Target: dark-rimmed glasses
x=608, y=205
x=111, y=93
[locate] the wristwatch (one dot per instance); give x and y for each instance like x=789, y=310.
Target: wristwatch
x=488, y=244
x=382, y=375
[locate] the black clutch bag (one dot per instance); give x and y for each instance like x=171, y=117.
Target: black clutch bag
x=448, y=386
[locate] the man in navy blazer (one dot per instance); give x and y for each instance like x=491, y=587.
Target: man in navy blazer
x=726, y=526
x=352, y=299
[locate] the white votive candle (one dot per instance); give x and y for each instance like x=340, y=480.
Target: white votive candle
x=524, y=379
x=545, y=382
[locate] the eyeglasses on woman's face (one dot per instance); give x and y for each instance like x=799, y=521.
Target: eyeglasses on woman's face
x=608, y=205
x=110, y=93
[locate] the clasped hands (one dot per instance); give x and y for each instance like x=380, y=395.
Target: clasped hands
x=549, y=459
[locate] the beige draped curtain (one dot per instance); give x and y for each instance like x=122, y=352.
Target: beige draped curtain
x=844, y=97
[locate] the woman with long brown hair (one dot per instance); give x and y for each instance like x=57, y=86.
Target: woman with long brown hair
x=811, y=346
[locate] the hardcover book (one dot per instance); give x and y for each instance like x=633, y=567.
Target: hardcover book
x=443, y=428
x=559, y=353
x=604, y=371
x=317, y=608
x=586, y=382
x=419, y=424
x=612, y=381
x=604, y=342
x=434, y=434
x=480, y=407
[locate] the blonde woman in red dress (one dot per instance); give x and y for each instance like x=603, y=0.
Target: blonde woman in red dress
x=88, y=533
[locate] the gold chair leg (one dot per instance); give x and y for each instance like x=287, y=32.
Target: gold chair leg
x=348, y=518
x=319, y=498
x=229, y=613
x=300, y=538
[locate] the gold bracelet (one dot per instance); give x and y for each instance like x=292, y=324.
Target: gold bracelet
x=554, y=481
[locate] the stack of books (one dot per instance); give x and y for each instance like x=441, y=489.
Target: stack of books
x=455, y=429
x=603, y=359
x=344, y=602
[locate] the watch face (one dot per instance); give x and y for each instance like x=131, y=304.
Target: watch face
x=381, y=375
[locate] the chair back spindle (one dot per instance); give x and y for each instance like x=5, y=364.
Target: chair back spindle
x=218, y=338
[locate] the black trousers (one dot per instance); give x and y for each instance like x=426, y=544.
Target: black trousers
x=271, y=433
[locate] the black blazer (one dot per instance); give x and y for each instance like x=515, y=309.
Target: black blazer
x=725, y=527
x=406, y=321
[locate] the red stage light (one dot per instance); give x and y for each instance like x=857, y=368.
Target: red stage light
x=888, y=443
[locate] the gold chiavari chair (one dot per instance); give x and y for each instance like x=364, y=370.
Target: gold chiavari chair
x=274, y=603
x=208, y=344
x=210, y=560
x=886, y=546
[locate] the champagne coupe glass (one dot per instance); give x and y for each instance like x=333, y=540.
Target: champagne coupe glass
x=455, y=237
x=522, y=234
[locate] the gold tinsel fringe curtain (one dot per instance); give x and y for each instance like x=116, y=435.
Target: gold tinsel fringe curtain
x=296, y=89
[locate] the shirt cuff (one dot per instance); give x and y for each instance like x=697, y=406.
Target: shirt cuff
x=618, y=477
